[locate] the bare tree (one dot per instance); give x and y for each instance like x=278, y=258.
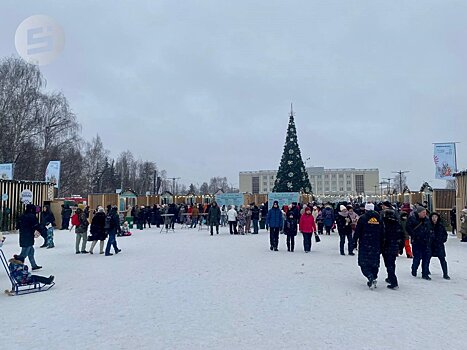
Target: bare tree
x=204, y=188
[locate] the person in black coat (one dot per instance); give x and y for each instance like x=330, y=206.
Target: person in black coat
x=393, y=236
x=66, y=215
x=344, y=227
x=113, y=229
x=47, y=224
x=98, y=231
x=421, y=234
x=28, y=229
x=369, y=237
x=453, y=218
x=440, y=236
x=290, y=230
x=255, y=218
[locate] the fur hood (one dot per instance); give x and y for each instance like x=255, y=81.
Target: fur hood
x=15, y=261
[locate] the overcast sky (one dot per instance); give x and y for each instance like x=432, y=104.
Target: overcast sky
x=204, y=87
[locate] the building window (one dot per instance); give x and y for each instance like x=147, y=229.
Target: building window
x=333, y=176
x=341, y=189
x=349, y=182
x=359, y=184
x=255, y=185
x=341, y=176
x=327, y=189
x=319, y=177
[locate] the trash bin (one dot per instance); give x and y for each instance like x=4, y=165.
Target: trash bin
x=129, y=219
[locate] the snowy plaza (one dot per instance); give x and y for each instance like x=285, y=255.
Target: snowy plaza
x=189, y=290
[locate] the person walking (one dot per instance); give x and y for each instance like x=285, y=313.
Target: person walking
x=421, y=233
x=47, y=226
x=255, y=218
x=194, y=216
x=290, y=230
x=247, y=212
x=369, y=236
x=81, y=231
x=214, y=217
x=344, y=227
x=307, y=228
x=327, y=215
x=28, y=226
x=112, y=225
x=232, y=218
x=98, y=231
x=274, y=221
x=440, y=236
x=66, y=215
x=393, y=236
x=453, y=218
x=406, y=244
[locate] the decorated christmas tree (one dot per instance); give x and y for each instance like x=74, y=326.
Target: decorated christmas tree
x=292, y=175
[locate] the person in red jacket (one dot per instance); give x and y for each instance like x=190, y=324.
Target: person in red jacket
x=307, y=228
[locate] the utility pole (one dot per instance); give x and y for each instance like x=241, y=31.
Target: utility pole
x=400, y=173
x=376, y=189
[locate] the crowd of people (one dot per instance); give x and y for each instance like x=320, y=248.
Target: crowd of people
x=384, y=229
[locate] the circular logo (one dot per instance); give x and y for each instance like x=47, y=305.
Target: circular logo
x=5, y=197
x=26, y=197
x=39, y=40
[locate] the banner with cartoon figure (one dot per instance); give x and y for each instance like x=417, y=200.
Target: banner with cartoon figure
x=52, y=174
x=6, y=171
x=445, y=160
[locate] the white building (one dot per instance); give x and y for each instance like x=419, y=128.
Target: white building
x=324, y=182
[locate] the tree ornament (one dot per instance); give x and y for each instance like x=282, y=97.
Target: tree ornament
x=291, y=174
x=290, y=162
x=290, y=151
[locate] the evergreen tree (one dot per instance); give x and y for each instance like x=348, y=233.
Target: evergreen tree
x=292, y=175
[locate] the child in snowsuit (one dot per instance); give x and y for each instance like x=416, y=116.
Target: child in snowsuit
x=125, y=230
x=22, y=276
x=290, y=230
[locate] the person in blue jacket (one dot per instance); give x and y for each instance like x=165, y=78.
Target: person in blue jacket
x=274, y=221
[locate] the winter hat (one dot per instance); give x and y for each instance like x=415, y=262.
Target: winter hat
x=420, y=209
x=342, y=208
x=100, y=210
x=387, y=204
x=19, y=258
x=464, y=210
x=369, y=207
x=275, y=202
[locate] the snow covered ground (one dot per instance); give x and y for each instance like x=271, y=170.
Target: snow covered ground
x=188, y=290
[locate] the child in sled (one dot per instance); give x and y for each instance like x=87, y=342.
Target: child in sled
x=22, y=276
x=125, y=230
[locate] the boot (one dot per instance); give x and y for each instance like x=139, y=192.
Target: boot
x=288, y=246
x=444, y=266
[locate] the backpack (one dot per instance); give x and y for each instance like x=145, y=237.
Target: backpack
x=108, y=222
x=75, y=220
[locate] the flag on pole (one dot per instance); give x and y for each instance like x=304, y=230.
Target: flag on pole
x=445, y=160
x=52, y=174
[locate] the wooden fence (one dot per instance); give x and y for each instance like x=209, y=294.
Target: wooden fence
x=12, y=208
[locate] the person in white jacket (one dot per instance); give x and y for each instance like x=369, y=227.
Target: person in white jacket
x=232, y=218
